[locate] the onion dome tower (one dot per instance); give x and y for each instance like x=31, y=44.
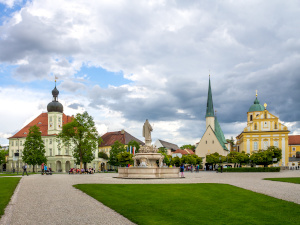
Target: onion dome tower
x=55, y=106
x=256, y=107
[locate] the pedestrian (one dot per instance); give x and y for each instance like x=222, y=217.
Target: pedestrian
x=42, y=167
x=216, y=167
x=192, y=168
x=197, y=168
x=45, y=168
x=182, y=169
x=222, y=169
x=25, y=169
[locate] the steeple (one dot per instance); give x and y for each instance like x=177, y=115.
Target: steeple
x=209, y=106
x=55, y=106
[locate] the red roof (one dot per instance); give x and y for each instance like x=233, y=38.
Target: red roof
x=185, y=151
x=294, y=139
x=42, y=122
x=122, y=136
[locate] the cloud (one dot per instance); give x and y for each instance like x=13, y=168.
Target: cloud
x=166, y=48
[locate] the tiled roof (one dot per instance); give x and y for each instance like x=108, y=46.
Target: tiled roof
x=294, y=139
x=185, y=151
x=42, y=122
x=122, y=136
x=168, y=145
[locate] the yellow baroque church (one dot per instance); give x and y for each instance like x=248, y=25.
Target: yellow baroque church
x=263, y=130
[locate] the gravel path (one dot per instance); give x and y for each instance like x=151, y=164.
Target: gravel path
x=52, y=199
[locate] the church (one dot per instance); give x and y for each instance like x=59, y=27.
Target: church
x=213, y=139
x=50, y=124
x=263, y=130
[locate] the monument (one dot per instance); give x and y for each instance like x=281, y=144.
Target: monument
x=148, y=163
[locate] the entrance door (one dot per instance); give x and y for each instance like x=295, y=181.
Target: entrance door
x=68, y=166
x=58, y=166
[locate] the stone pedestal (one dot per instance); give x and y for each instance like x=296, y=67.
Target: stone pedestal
x=148, y=173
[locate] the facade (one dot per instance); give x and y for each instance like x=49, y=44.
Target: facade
x=263, y=130
x=213, y=139
x=164, y=144
x=294, y=151
x=50, y=124
x=110, y=138
x=181, y=152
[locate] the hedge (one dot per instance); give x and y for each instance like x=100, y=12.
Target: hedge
x=251, y=169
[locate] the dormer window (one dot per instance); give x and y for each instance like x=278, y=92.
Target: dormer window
x=39, y=122
x=24, y=133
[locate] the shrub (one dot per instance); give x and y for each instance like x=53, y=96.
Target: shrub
x=251, y=169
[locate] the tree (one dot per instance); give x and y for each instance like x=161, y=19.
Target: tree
x=162, y=150
x=176, y=161
x=124, y=158
x=116, y=148
x=265, y=157
x=3, y=153
x=82, y=136
x=192, y=147
x=167, y=161
x=34, y=148
x=135, y=144
x=214, y=158
x=102, y=155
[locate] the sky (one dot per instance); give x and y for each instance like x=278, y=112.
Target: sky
x=127, y=61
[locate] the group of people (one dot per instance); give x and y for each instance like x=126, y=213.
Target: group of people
x=45, y=169
x=188, y=168
x=81, y=171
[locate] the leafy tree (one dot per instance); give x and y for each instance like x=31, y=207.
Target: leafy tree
x=3, y=153
x=82, y=136
x=167, y=160
x=162, y=150
x=192, y=147
x=265, y=157
x=102, y=155
x=176, y=161
x=214, y=158
x=188, y=159
x=124, y=158
x=198, y=159
x=34, y=148
x=116, y=148
x=135, y=144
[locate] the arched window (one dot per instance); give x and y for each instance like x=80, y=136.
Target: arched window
x=275, y=126
x=206, y=142
x=251, y=118
x=213, y=142
x=255, y=126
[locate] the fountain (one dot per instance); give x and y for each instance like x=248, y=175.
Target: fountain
x=145, y=162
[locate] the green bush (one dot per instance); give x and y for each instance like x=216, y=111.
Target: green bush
x=251, y=169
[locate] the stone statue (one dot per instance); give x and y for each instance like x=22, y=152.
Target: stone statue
x=147, y=132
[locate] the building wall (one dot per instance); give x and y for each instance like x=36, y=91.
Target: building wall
x=209, y=144
x=293, y=149
x=264, y=130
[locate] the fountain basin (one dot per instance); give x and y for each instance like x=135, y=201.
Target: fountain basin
x=138, y=172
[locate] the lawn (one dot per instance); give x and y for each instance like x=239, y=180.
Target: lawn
x=14, y=174
x=7, y=188
x=295, y=180
x=192, y=204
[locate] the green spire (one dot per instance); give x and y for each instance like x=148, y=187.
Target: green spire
x=209, y=107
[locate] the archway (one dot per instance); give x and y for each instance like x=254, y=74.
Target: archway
x=58, y=166
x=68, y=166
x=102, y=166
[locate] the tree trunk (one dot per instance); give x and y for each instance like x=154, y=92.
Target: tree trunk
x=32, y=168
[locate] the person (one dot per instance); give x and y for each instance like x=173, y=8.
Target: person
x=42, y=167
x=221, y=169
x=45, y=168
x=182, y=169
x=197, y=168
x=25, y=169
x=216, y=167
x=192, y=168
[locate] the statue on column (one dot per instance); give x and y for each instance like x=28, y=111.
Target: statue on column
x=147, y=133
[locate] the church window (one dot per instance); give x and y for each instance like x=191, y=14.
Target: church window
x=255, y=126
x=12, y=143
x=206, y=142
x=50, y=151
x=50, y=118
x=251, y=118
x=255, y=145
x=275, y=126
x=213, y=142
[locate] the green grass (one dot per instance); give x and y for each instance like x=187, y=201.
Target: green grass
x=295, y=180
x=7, y=188
x=15, y=174
x=192, y=204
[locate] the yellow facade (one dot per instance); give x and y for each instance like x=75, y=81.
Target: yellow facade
x=293, y=149
x=264, y=130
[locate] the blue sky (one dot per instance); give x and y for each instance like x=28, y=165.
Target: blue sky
x=128, y=61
